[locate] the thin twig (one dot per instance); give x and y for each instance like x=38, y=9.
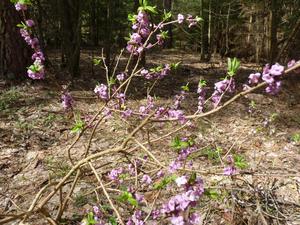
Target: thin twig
x=106, y=194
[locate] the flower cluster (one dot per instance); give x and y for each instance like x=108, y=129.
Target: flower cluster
x=141, y=27
x=114, y=175
x=230, y=169
x=144, y=110
x=95, y=215
x=178, y=205
x=202, y=93
x=178, y=99
x=67, y=101
x=220, y=88
x=156, y=73
x=271, y=76
x=36, y=70
x=102, y=91
x=20, y=6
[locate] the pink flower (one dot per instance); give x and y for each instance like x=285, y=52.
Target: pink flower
x=136, y=38
x=121, y=77
x=30, y=23
x=254, y=78
x=291, y=63
x=268, y=78
x=102, y=91
x=139, y=197
x=180, y=18
x=181, y=181
x=67, y=101
x=276, y=70
x=20, y=7
x=273, y=88
x=230, y=170
x=177, y=220
x=146, y=179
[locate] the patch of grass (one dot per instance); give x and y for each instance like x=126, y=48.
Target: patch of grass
x=57, y=168
x=8, y=98
x=296, y=138
x=80, y=200
x=50, y=119
x=24, y=125
x=240, y=161
x=213, y=154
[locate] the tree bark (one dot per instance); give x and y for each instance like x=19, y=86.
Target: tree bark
x=108, y=33
x=204, y=32
x=71, y=34
x=168, y=8
x=273, y=48
x=93, y=23
x=15, y=55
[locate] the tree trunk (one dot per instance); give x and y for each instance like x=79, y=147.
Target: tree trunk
x=15, y=55
x=204, y=32
x=93, y=23
x=136, y=6
x=108, y=33
x=169, y=28
x=273, y=48
x=71, y=34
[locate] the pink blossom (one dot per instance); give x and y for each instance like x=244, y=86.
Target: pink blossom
x=180, y=18
x=20, y=7
x=276, y=70
x=230, y=170
x=146, y=179
x=102, y=91
x=254, y=78
x=181, y=181
x=30, y=23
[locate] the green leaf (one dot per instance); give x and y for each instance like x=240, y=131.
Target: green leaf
x=127, y=197
x=175, y=65
x=185, y=87
x=212, y=194
x=202, y=83
x=233, y=66
x=167, y=15
x=178, y=144
x=96, y=62
x=22, y=25
x=25, y=2
x=193, y=178
x=156, y=69
x=112, y=220
x=132, y=18
x=90, y=220
x=253, y=104
x=296, y=138
x=164, y=34
x=240, y=162
x=164, y=182
x=112, y=81
x=198, y=19
x=78, y=126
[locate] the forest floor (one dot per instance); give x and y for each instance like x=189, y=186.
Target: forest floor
x=35, y=131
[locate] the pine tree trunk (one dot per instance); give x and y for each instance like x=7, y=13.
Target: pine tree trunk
x=169, y=28
x=108, y=31
x=71, y=34
x=204, y=32
x=93, y=23
x=15, y=55
x=273, y=48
